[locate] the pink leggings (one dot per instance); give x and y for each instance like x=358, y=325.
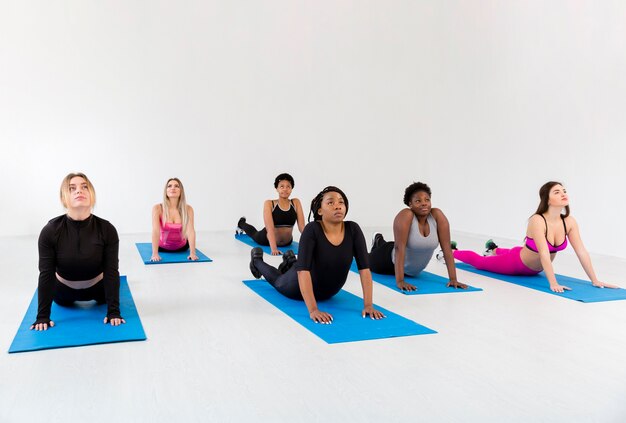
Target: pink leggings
x=506, y=261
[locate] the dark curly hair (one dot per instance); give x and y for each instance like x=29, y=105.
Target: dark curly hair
x=413, y=188
x=317, y=201
x=284, y=177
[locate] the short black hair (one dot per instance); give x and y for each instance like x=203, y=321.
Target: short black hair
x=317, y=201
x=413, y=188
x=284, y=177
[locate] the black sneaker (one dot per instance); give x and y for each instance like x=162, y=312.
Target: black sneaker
x=238, y=230
x=289, y=259
x=377, y=240
x=490, y=247
x=255, y=254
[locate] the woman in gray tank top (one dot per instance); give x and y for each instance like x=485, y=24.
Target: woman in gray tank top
x=417, y=230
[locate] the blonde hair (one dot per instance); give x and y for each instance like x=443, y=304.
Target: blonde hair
x=182, y=205
x=65, y=189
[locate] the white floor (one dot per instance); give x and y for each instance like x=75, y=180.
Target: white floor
x=218, y=352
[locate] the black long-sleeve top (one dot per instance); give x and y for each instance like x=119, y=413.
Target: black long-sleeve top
x=329, y=264
x=78, y=250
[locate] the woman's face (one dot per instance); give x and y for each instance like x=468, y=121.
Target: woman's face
x=284, y=189
x=558, y=196
x=173, y=189
x=80, y=196
x=333, y=207
x=420, y=203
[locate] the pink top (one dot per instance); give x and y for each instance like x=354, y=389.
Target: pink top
x=532, y=246
x=172, y=236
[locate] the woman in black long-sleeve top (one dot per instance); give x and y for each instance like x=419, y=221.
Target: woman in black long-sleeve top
x=327, y=247
x=78, y=256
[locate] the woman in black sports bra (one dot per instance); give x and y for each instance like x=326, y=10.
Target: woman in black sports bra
x=279, y=217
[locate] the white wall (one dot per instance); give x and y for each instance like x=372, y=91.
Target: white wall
x=483, y=100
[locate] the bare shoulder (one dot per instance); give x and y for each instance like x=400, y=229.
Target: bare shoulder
x=405, y=214
x=157, y=208
x=189, y=209
x=437, y=213
x=404, y=218
x=570, y=222
x=536, y=222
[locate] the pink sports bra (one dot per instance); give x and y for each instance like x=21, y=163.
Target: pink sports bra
x=532, y=246
x=172, y=236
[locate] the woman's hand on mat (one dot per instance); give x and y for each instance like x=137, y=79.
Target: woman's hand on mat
x=599, y=284
x=192, y=257
x=372, y=312
x=560, y=288
x=276, y=252
x=116, y=321
x=456, y=284
x=321, y=317
x=406, y=286
x=155, y=257
x=42, y=326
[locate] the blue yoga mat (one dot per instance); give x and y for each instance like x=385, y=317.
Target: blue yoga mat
x=145, y=249
x=426, y=283
x=581, y=290
x=348, y=325
x=266, y=249
x=79, y=325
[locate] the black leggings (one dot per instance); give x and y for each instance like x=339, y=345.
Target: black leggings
x=183, y=248
x=286, y=283
x=380, y=259
x=260, y=237
x=65, y=296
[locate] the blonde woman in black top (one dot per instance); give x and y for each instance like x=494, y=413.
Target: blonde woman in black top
x=78, y=256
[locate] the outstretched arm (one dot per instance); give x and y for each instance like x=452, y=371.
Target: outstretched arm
x=47, y=267
x=191, y=235
x=582, y=254
x=269, y=226
x=368, y=294
x=156, y=232
x=300, y=213
x=401, y=227
x=306, y=288
x=536, y=230
x=443, y=232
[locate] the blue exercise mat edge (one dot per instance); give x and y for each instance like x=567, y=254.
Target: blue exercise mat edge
x=348, y=321
x=582, y=290
x=266, y=249
x=27, y=340
x=427, y=283
x=145, y=251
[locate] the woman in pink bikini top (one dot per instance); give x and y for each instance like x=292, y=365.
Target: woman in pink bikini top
x=547, y=233
x=172, y=223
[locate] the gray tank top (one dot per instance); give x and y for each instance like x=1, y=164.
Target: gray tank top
x=419, y=248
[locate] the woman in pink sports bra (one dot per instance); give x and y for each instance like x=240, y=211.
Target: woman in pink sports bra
x=172, y=223
x=547, y=233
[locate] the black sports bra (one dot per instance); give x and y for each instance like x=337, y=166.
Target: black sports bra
x=284, y=218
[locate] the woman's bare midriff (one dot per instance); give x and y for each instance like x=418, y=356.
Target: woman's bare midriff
x=532, y=260
x=283, y=236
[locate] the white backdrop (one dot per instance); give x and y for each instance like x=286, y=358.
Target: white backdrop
x=483, y=100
